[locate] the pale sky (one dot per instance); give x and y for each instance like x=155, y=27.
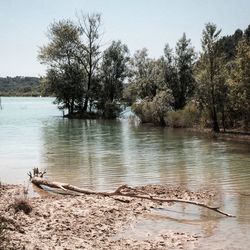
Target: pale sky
x=137, y=23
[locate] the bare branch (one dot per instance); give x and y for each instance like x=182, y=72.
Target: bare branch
x=39, y=181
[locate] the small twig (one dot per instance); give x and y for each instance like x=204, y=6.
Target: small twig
x=43, y=173
x=30, y=175
x=121, y=200
x=119, y=189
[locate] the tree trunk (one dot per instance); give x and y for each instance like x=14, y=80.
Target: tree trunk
x=215, y=121
x=124, y=190
x=86, y=101
x=223, y=120
x=72, y=104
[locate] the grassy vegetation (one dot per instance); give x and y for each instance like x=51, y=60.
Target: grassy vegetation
x=22, y=204
x=187, y=117
x=7, y=224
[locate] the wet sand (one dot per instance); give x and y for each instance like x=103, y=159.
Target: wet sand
x=89, y=221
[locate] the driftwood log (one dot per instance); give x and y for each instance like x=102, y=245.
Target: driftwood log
x=37, y=179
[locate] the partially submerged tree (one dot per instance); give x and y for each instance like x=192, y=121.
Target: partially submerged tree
x=83, y=79
x=113, y=72
x=65, y=78
x=67, y=84
x=72, y=56
x=89, y=52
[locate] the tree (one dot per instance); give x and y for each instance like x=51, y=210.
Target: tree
x=185, y=57
x=227, y=45
x=240, y=82
x=161, y=104
x=154, y=98
x=113, y=71
x=139, y=80
x=171, y=73
x=209, y=73
x=89, y=52
x=66, y=83
x=147, y=75
x=65, y=78
x=179, y=69
x=72, y=56
x=247, y=33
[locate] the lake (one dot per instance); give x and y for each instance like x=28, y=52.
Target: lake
x=102, y=155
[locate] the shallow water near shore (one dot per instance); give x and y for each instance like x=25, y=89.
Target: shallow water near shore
x=101, y=155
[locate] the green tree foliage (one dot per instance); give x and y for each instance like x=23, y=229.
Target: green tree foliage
x=72, y=56
x=146, y=75
x=164, y=91
x=247, y=33
x=155, y=110
x=89, y=52
x=209, y=74
x=184, y=118
x=113, y=72
x=154, y=99
x=171, y=74
x=240, y=83
x=227, y=44
x=185, y=57
x=64, y=76
x=179, y=68
x=163, y=84
x=230, y=112
x=66, y=83
x=64, y=36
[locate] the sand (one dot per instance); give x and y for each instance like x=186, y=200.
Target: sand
x=88, y=221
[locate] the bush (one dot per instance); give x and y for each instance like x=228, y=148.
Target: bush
x=144, y=111
x=111, y=110
x=154, y=111
x=184, y=118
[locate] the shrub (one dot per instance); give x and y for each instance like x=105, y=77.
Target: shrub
x=154, y=111
x=184, y=118
x=22, y=204
x=144, y=111
x=111, y=110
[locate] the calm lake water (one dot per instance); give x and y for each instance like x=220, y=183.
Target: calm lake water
x=104, y=154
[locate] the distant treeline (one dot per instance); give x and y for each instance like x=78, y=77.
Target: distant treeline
x=19, y=86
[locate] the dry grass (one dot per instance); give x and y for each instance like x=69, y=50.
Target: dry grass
x=7, y=224
x=22, y=204
x=3, y=235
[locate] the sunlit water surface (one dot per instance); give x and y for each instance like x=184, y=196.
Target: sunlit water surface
x=104, y=154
